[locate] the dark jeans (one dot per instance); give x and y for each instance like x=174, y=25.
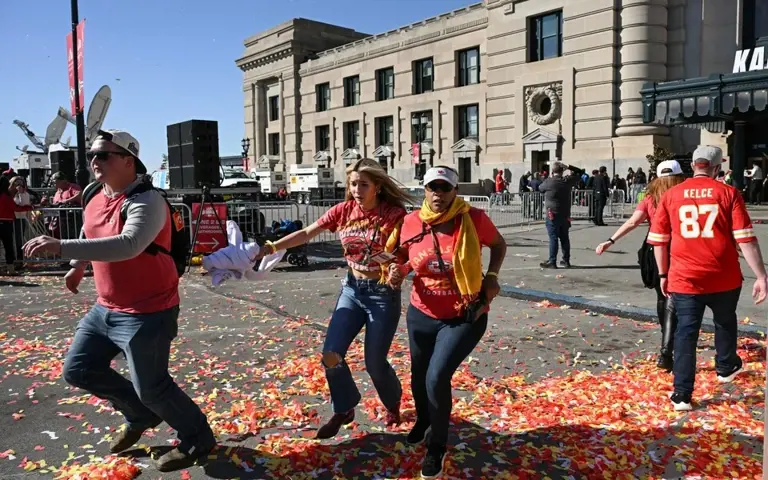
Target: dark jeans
x=6, y=237
x=151, y=394
x=756, y=191
x=438, y=347
x=363, y=303
x=665, y=309
x=18, y=236
x=690, y=313
x=557, y=228
x=600, y=201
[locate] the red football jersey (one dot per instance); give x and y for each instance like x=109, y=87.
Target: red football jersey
x=703, y=219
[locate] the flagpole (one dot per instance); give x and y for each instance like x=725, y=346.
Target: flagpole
x=83, y=176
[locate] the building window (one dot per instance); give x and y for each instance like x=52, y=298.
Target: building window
x=351, y=91
x=467, y=122
x=385, y=84
x=469, y=67
x=465, y=170
x=421, y=132
x=274, y=144
x=423, y=76
x=323, y=94
x=322, y=138
x=755, y=24
x=545, y=36
x=274, y=108
x=352, y=134
x=385, y=131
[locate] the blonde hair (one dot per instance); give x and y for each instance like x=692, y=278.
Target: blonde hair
x=19, y=180
x=388, y=191
x=659, y=185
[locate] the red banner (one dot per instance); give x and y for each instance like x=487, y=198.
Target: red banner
x=71, y=67
x=210, y=235
x=416, y=151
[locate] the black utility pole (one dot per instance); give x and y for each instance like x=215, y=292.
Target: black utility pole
x=83, y=176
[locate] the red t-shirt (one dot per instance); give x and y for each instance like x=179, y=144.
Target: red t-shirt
x=703, y=219
x=362, y=233
x=144, y=284
x=433, y=291
x=62, y=196
x=646, y=206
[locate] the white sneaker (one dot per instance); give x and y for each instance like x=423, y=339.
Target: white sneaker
x=729, y=378
x=680, y=402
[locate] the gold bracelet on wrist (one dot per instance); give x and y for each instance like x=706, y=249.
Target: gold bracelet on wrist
x=270, y=247
x=492, y=274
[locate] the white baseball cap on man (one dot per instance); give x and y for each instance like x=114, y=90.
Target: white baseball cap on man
x=441, y=173
x=668, y=168
x=127, y=142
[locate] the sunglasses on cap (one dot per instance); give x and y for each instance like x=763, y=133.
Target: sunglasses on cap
x=439, y=186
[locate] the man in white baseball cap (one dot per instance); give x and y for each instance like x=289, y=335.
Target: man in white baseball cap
x=127, y=227
x=668, y=168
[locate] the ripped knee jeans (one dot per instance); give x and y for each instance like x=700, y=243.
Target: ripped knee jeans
x=362, y=303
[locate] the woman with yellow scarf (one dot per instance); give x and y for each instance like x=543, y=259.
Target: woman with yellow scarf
x=448, y=311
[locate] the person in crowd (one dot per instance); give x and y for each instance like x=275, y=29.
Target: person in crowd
x=450, y=298
x=669, y=174
x=132, y=315
x=720, y=176
x=557, y=200
x=639, y=182
x=373, y=209
x=601, y=189
x=8, y=210
x=21, y=197
x=67, y=224
x=695, y=230
x=756, y=180
x=523, y=185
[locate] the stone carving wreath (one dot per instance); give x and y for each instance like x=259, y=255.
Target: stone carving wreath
x=544, y=105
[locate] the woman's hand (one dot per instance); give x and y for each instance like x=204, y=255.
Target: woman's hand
x=490, y=288
x=603, y=247
x=396, y=276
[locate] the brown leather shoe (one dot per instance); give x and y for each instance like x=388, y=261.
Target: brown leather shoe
x=332, y=427
x=128, y=438
x=177, y=459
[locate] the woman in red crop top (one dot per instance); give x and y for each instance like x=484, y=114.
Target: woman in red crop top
x=374, y=207
x=450, y=299
x=668, y=174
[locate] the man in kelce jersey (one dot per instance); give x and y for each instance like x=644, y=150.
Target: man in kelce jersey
x=703, y=220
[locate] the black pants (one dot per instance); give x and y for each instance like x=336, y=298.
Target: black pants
x=600, y=201
x=6, y=237
x=665, y=309
x=756, y=191
x=18, y=237
x=438, y=347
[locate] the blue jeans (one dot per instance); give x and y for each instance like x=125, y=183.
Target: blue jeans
x=377, y=307
x=151, y=395
x=438, y=348
x=557, y=228
x=690, y=313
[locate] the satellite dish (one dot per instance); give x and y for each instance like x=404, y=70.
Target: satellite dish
x=64, y=113
x=97, y=112
x=55, y=130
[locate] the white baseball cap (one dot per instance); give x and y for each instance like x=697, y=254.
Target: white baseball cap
x=667, y=168
x=708, y=154
x=127, y=142
x=441, y=173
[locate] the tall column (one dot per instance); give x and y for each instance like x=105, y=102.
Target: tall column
x=282, y=119
x=739, y=157
x=260, y=121
x=643, y=58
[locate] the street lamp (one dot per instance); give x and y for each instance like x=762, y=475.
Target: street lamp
x=246, y=144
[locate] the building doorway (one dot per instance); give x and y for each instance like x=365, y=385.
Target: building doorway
x=540, y=161
x=465, y=170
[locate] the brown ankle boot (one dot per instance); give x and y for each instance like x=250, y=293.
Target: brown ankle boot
x=332, y=426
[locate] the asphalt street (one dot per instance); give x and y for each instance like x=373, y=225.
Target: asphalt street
x=551, y=391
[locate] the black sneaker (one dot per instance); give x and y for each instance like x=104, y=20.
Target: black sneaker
x=332, y=426
x=682, y=403
x=177, y=459
x=565, y=264
x=728, y=377
x=548, y=265
x=665, y=362
x=434, y=461
x=418, y=433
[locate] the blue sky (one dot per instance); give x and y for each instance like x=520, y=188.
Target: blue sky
x=165, y=60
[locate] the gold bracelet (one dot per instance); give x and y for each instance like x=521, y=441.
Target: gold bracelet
x=492, y=274
x=270, y=247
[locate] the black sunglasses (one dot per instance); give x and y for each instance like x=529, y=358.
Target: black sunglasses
x=102, y=155
x=444, y=187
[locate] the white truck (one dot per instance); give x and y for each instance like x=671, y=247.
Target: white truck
x=307, y=183
x=271, y=182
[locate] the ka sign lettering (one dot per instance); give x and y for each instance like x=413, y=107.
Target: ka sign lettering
x=756, y=63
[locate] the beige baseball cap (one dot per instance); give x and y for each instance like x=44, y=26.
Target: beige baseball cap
x=127, y=142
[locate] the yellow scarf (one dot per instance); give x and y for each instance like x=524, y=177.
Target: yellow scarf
x=467, y=266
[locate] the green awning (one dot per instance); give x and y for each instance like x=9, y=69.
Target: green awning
x=706, y=102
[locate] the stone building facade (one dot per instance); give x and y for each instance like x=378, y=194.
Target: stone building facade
x=501, y=84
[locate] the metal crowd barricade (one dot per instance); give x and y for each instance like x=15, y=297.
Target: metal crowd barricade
x=257, y=218
x=312, y=213
x=61, y=223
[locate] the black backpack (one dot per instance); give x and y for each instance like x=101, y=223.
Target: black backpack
x=179, y=237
